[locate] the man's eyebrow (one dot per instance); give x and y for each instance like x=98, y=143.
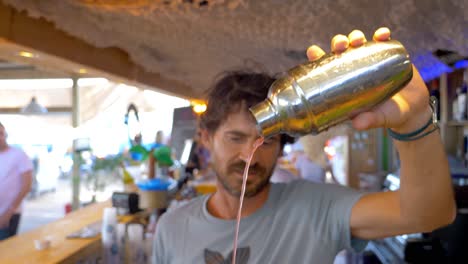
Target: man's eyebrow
x=236, y=133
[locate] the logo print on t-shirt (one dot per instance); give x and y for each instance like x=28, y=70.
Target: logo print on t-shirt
x=213, y=257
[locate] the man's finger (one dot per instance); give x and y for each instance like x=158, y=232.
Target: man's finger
x=339, y=43
x=382, y=34
x=356, y=38
x=368, y=120
x=314, y=52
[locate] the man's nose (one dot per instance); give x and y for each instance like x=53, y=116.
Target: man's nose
x=247, y=151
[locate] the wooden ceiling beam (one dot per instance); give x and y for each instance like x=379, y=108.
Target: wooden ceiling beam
x=43, y=36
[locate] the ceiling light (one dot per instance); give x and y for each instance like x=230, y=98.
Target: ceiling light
x=82, y=71
x=26, y=54
x=33, y=108
x=199, y=108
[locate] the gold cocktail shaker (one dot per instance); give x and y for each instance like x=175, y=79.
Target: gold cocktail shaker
x=316, y=95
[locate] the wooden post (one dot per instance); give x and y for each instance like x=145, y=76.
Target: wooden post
x=76, y=155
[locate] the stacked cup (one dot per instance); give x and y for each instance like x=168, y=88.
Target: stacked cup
x=136, y=244
x=109, y=236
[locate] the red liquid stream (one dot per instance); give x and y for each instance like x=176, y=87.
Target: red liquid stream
x=257, y=144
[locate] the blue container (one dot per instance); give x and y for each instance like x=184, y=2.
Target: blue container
x=157, y=184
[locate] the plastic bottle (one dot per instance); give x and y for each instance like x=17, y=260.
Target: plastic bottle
x=462, y=103
x=456, y=111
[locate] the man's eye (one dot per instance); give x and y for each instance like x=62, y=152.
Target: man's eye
x=235, y=139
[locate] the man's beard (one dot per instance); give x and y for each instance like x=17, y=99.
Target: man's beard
x=250, y=191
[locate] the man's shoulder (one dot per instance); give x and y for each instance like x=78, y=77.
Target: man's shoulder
x=302, y=184
x=16, y=151
x=13, y=152
x=301, y=188
x=181, y=211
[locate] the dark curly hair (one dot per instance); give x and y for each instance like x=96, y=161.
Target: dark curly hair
x=233, y=90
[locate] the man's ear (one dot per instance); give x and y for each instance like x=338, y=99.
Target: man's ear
x=205, y=138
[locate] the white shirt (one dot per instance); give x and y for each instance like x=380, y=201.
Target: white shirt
x=13, y=163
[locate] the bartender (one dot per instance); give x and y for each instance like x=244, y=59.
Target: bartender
x=304, y=222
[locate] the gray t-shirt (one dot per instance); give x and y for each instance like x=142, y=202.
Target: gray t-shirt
x=301, y=222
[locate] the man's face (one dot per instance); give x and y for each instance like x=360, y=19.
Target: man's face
x=3, y=137
x=229, y=146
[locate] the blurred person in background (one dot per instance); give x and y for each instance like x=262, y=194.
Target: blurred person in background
x=306, y=168
x=282, y=175
x=158, y=140
x=16, y=178
x=199, y=158
x=284, y=171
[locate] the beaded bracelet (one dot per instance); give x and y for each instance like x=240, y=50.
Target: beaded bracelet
x=417, y=133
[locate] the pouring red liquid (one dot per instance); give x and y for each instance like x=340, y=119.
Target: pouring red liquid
x=257, y=144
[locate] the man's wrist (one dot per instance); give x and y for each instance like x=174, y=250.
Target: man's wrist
x=415, y=122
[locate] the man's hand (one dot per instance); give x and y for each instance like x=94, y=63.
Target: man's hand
x=5, y=217
x=406, y=111
x=17, y=198
x=425, y=198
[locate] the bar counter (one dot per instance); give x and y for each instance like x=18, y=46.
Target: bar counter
x=21, y=249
